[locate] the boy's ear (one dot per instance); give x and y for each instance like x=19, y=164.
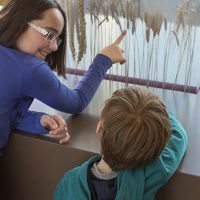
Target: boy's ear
x=99, y=128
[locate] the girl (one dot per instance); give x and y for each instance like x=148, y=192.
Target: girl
x=32, y=44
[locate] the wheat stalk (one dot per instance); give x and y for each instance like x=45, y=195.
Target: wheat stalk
x=81, y=25
x=122, y=10
x=159, y=21
x=70, y=19
x=153, y=24
x=181, y=12
x=105, y=10
x=133, y=18
x=99, y=6
x=112, y=8
x=92, y=8
x=192, y=19
x=177, y=40
x=128, y=12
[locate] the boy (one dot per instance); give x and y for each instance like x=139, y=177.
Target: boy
x=142, y=146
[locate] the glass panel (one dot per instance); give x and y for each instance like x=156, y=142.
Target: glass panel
x=161, y=45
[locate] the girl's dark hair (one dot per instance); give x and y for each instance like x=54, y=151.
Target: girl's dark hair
x=13, y=22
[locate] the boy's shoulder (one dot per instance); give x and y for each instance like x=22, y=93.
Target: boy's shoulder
x=82, y=168
x=73, y=184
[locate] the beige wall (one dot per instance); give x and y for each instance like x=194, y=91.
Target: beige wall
x=2, y=2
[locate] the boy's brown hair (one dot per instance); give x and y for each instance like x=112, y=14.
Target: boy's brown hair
x=136, y=128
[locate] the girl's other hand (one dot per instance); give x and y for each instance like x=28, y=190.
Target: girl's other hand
x=57, y=127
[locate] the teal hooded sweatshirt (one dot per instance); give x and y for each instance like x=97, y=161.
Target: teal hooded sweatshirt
x=134, y=184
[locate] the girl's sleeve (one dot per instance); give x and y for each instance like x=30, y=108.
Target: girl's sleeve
x=41, y=83
x=30, y=122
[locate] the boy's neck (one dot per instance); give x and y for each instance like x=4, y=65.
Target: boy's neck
x=103, y=167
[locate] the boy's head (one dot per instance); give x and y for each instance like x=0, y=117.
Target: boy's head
x=135, y=128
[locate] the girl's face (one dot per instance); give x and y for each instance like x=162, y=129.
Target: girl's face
x=34, y=42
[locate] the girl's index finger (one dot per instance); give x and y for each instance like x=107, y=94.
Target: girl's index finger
x=119, y=39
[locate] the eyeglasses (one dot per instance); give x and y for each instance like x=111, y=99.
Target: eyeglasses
x=51, y=37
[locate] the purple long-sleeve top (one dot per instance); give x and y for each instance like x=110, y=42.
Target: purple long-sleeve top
x=24, y=77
